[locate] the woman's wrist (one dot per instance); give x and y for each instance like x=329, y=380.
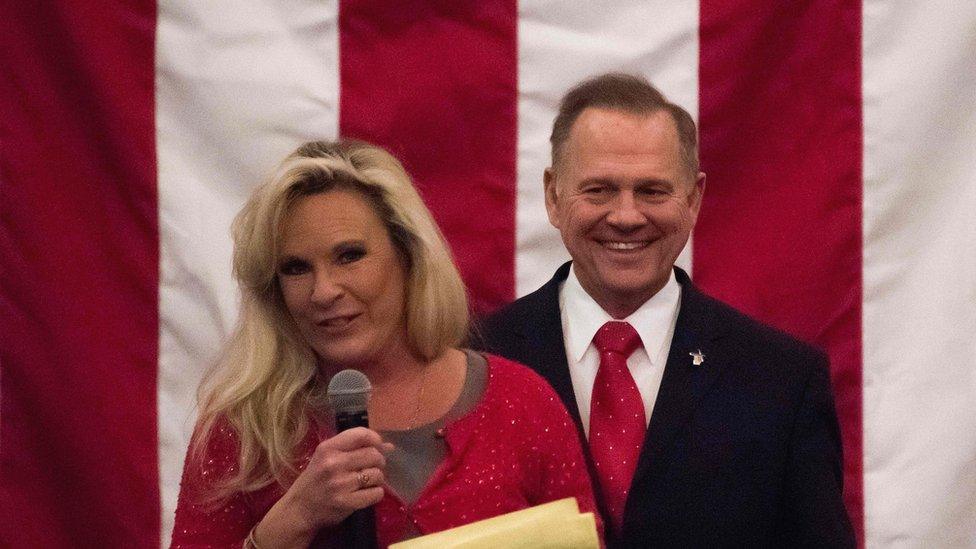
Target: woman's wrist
x=283, y=526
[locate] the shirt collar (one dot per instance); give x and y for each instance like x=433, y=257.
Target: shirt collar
x=652, y=320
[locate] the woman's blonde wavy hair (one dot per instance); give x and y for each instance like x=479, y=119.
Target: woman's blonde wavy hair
x=266, y=385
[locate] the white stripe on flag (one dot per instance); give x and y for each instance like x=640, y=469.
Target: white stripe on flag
x=237, y=88
x=919, y=273
x=559, y=47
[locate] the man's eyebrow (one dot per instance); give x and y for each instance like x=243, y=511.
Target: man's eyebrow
x=654, y=181
x=598, y=181
x=643, y=182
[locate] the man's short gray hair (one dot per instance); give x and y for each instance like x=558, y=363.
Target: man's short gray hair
x=628, y=93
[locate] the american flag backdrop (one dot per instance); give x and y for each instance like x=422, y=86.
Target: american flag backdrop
x=839, y=139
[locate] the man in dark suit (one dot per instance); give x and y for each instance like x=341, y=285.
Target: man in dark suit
x=704, y=428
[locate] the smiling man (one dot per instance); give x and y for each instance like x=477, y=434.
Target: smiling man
x=703, y=428
x=624, y=203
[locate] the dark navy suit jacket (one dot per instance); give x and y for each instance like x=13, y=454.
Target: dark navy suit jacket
x=742, y=450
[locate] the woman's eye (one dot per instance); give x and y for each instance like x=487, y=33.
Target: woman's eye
x=350, y=255
x=293, y=267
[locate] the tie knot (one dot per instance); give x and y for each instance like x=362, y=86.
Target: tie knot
x=617, y=337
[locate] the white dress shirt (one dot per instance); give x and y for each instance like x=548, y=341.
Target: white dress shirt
x=654, y=322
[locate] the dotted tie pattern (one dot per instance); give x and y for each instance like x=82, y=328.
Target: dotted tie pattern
x=617, y=421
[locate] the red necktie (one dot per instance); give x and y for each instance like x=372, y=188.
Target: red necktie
x=617, y=422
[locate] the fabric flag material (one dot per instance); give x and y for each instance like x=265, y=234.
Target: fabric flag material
x=837, y=135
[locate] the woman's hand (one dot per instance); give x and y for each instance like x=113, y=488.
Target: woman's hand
x=344, y=474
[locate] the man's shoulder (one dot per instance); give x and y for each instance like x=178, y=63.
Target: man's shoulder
x=757, y=340
x=525, y=307
x=526, y=312
x=505, y=328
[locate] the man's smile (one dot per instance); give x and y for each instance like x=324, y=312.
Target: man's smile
x=624, y=246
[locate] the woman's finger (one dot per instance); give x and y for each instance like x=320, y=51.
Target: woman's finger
x=359, y=479
x=364, y=498
x=357, y=437
x=370, y=477
x=329, y=459
x=361, y=459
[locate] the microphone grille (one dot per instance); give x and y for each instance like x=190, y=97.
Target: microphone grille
x=349, y=391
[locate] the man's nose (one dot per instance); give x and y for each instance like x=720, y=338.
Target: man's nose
x=325, y=288
x=625, y=213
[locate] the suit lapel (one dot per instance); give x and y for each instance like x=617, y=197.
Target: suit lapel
x=543, y=335
x=684, y=383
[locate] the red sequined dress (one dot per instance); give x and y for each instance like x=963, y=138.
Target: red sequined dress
x=516, y=448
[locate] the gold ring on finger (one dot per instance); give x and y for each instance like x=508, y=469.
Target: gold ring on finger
x=363, y=480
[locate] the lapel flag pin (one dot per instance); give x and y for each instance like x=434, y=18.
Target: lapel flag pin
x=697, y=357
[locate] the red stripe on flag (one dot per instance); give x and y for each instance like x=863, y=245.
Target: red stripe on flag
x=436, y=84
x=780, y=231
x=78, y=297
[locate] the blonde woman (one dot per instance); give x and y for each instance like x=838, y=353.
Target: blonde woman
x=341, y=266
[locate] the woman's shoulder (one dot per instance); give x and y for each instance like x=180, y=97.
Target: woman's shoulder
x=217, y=436
x=214, y=448
x=519, y=383
x=510, y=371
x=522, y=404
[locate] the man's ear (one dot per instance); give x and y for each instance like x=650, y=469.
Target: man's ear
x=549, y=187
x=695, y=198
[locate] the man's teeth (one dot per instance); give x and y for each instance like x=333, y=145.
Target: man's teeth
x=623, y=245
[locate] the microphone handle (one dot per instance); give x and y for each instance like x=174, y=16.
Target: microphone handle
x=348, y=420
x=358, y=531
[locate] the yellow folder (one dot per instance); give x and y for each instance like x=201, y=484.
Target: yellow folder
x=554, y=525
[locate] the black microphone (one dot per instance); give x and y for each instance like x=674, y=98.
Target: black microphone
x=348, y=395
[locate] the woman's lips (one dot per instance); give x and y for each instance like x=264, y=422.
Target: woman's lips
x=337, y=322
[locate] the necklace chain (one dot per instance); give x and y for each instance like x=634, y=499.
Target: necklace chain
x=420, y=397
